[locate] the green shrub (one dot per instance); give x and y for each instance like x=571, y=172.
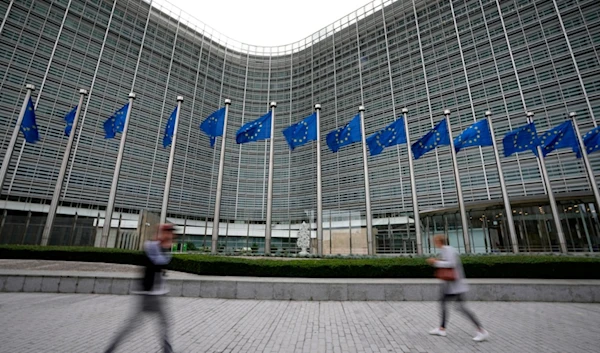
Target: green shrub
x=476, y=266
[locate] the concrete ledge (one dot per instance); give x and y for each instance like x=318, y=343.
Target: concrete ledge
x=32, y=284
x=103, y=286
x=318, y=289
x=120, y=286
x=67, y=285
x=14, y=284
x=190, y=289
x=85, y=285
x=50, y=284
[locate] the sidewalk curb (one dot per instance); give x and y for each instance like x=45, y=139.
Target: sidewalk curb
x=318, y=289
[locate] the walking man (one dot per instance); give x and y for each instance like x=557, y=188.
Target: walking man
x=450, y=270
x=158, y=256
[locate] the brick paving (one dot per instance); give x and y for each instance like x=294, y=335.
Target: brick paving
x=35, y=322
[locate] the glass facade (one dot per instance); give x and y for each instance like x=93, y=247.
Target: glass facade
x=508, y=57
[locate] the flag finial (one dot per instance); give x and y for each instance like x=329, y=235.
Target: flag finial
x=488, y=113
x=227, y=101
x=530, y=117
x=317, y=106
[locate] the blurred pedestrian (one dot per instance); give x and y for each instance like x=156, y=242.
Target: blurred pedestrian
x=153, y=287
x=450, y=270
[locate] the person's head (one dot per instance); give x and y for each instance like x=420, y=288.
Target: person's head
x=439, y=240
x=165, y=234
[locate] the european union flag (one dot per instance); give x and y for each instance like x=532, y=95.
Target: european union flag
x=213, y=125
x=259, y=129
x=301, y=132
x=69, y=118
x=115, y=123
x=392, y=135
x=591, y=140
x=477, y=134
x=344, y=135
x=522, y=139
x=438, y=136
x=562, y=136
x=170, y=129
x=28, y=125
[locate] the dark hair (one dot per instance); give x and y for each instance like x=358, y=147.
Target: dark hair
x=167, y=227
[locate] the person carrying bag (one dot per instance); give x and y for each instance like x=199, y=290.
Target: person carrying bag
x=449, y=269
x=153, y=288
x=446, y=274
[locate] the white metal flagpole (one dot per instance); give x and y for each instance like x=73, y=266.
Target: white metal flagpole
x=461, y=201
x=319, y=190
x=507, y=208
x=113, y=189
x=62, y=172
x=165, y=203
x=270, y=186
x=216, y=219
x=15, y=134
x=553, y=206
x=413, y=186
x=370, y=249
x=586, y=160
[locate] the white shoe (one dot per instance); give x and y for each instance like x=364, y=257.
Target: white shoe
x=437, y=332
x=481, y=336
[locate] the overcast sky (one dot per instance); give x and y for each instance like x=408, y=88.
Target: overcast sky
x=268, y=22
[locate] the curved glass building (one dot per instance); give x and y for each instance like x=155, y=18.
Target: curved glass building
x=507, y=57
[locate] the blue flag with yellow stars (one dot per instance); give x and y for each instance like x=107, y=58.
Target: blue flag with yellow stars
x=115, y=123
x=344, y=135
x=28, y=125
x=213, y=125
x=301, y=132
x=69, y=118
x=562, y=136
x=591, y=140
x=438, y=136
x=170, y=129
x=522, y=139
x=477, y=134
x=392, y=135
x=259, y=129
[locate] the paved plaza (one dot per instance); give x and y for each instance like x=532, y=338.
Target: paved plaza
x=36, y=322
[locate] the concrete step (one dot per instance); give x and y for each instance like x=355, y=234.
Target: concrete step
x=318, y=289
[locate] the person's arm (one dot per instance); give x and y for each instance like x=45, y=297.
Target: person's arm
x=447, y=258
x=156, y=255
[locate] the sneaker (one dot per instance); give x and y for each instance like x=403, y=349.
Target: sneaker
x=438, y=332
x=481, y=336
